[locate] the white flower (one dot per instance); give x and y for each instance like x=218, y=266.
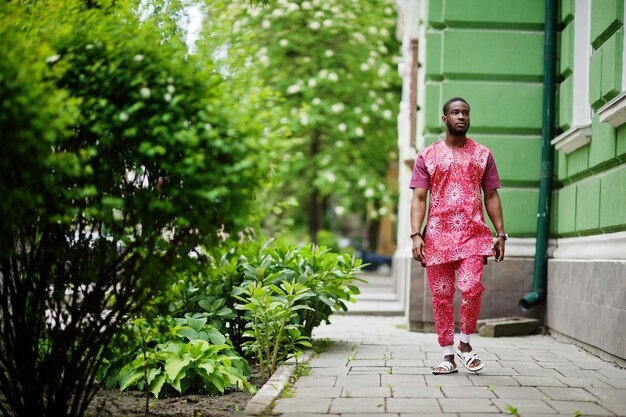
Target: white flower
x=138, y=57
x=284, y=120
x=335, y=10
x=167, y=97
x=123, y=116
x=330, y=177
x=337, y=108
x=364, y=67
x=359, y=37
x=362, y=182
x=312, y=83
x=388, y=10
x=306, y=5
x=264, y=59
x=384, y=32
x=372, y=30
x=323, y=74
x=383, y=49
x=357, y=110
x=316, y=101
x=266, y=24
x=89, y=46
x=383, y=210
x=369, y=193
x=339, y=144
x=306, y=59
x=328, y=23
x=374, y=107
x=333, y=76
x=372, y=93
x=304, y=119
x=292, y=89
x=387, y=114
x=339, y=210
x=255, y=12
x=314, y=25
x=359, y=131
x=318, y=15
x=382, y=70
x=145, y=92
x=171, y=89
x=342, y=127
x=53, y=58
x=207, y=126
x=328, y=53
x=365, y=119
x=283, y=42
x=277, y=12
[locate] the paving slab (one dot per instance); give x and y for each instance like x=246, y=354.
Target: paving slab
x=389, y=374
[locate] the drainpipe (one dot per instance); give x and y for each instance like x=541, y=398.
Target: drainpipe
x=538, y=294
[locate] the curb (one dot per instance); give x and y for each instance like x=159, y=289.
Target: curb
x=262, y=401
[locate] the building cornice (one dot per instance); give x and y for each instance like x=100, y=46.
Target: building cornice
x=572, y=139
x=614, y=112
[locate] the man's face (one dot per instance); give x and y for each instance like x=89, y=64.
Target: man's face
x=458, y=118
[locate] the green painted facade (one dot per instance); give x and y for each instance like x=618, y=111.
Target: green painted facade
x=591, y=193
x=491, y=53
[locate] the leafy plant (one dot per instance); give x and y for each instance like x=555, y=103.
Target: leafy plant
x=181, y=353
x=272, y=335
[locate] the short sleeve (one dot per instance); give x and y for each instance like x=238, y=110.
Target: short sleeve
x=491, y=179
x=421, y=177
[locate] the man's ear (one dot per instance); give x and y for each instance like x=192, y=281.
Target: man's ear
x=444, y=119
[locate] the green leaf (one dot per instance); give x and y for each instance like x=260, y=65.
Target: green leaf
x=157, y=385
x=174, y=367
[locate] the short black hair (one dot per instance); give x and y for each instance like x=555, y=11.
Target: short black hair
x=452, y=100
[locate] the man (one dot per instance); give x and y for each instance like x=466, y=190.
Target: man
x=456, y=237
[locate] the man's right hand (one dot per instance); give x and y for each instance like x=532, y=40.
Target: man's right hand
x=418, y=248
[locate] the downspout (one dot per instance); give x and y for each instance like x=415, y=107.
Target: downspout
x=538, y=294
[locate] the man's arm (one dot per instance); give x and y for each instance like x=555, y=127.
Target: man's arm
x=418, y=212
x=494, y=210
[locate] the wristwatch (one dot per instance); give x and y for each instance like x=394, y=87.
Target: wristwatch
x=416, y=234
x=505, y=235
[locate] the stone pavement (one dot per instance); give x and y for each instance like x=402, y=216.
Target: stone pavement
x=375, y=367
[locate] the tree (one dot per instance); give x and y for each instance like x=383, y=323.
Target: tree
x=333, y=62
x=121, y=153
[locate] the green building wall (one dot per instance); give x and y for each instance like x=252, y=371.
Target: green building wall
x=491, y=54
x=591, y=194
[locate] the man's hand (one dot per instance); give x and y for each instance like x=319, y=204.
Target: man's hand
x=498, y=248
x=418, y=248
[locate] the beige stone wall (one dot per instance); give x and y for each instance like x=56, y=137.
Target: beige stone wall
x=587, y=302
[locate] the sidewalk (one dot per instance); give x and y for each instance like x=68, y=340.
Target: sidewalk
x=377, y=368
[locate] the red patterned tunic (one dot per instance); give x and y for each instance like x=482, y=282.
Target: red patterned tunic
x=456, y=227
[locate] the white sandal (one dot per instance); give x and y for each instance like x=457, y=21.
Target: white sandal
x=467, y=358
x=449, y=368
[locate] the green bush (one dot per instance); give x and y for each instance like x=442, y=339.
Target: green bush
x=121, y=153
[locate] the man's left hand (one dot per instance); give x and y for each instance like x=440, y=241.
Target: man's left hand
x=498, y=248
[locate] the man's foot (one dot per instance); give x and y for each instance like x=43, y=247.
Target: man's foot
x=471, y=360
x=466, y=348
x=446, y=367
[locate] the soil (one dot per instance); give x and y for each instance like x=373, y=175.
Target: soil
x=113, y=403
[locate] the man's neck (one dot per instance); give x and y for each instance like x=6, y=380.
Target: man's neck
x=453, y=141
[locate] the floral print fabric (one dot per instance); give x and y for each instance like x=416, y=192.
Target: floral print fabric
x=441, y=282
x=456, y=227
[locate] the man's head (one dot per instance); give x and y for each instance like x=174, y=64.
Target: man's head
x=456, y=116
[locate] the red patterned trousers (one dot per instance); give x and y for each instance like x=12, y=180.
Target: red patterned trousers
x=441, y=282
